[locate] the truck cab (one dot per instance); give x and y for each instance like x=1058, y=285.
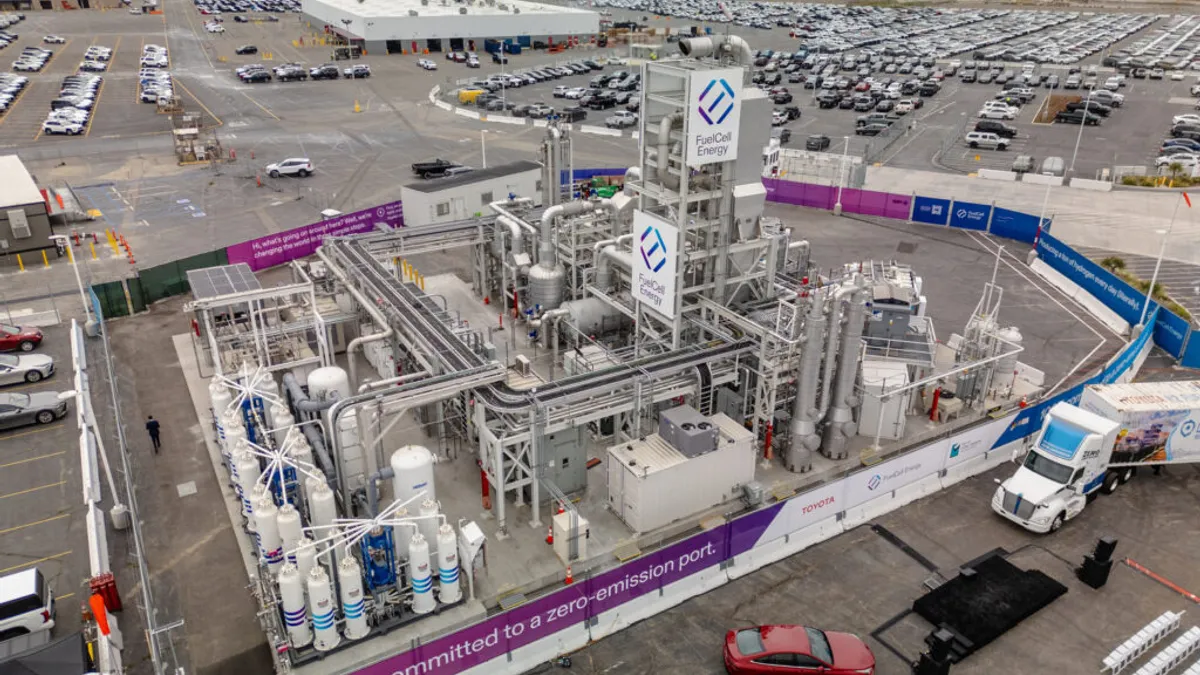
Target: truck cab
x=1067, y=462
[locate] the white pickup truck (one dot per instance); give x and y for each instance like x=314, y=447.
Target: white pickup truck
x=1097, y=446
x=621, y=119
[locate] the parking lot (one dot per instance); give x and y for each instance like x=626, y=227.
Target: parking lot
x=41, y=512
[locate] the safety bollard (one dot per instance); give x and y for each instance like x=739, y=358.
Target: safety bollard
x=70, y=256
x=258, y=180
x=92, y=245
x=20, y=263
x=45, y=260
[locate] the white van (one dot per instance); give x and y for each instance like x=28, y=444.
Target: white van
x=26, y=604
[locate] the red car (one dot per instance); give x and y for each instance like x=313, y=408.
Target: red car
x=767, y=650
x=24, y=338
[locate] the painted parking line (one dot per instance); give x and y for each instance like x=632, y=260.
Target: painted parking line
x=199, y=102
x=33, y=459
x=35, y=523
x=34, y=489
x=260, y=106
x=26, y=433
x=39, y=561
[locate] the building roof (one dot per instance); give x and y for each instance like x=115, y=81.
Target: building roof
x=434, y=8
x=16, y=185
x=477, y=176
x=212, y=282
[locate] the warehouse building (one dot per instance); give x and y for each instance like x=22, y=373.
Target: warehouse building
x=24, y=220
x=395, y=26
x=446, y=200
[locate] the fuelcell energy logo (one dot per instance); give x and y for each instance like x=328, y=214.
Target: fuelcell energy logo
x=717, y=92
x=654, y=249
x=1187, y=428
x=874, y=482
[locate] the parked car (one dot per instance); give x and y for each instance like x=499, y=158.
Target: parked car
x=360, y=71
x=433, y=167
x=427, y=64
x=817, y=142
x=1023, y=164
x=621, y=119
x=999, y=128
x=19, y=338
x=246, y=49
x=25, y=368
x=57, y=126
x=573, y=114
x=20, y=409
x=872, y=129
x=297, y=166
x=984, y=139
x=54, y=40
x=326, y=71
x=1077, y=117
x=764, y=650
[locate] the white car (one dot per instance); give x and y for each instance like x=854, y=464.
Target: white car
x=214, y=28
x=427, y=64
x=93, y=66
x=59, y=126
x=297, y=166
x=23, y=368
x=997, y=114
x=1187, y=118
x=28, y=66
x=1176, y=75
x=778, y=118
x=560, y=91
x=69, y=115
x=903, y=108
x=54, y=40
x=1186, y=159
x=575, y=94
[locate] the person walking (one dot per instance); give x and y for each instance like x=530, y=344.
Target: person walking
x=152, y=428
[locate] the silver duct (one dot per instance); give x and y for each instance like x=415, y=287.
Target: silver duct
x=804, y=436
x=376, y=315
x=840, y=425
x=516, y=236
x=632, y=175
x=719, y=46
x=547, y=278
x=607, y=253
x=663, y=157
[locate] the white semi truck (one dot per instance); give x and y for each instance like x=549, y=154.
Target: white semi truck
x=1097, y=446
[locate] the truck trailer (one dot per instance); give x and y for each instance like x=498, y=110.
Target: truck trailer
x=1097, y=446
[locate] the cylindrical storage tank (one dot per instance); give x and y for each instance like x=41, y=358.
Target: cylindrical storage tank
x=1007, y=365
x=320, y=606
x=257, y=491
x=310, y=485
x=413, y=469
x=323, y=507
x=546, y=286
x=428, y=525
x=301, y=451
x=268, y=389
x=329, y=383
x=421, y=575
x=288, y=521
x=281, y=418
x=295, y=614
x=219, y=398
x=235, y=430
x=353, y=605
x=447, y=556
x=306, y=556
x=400, y=536
x=246, y=473
x=270, y=545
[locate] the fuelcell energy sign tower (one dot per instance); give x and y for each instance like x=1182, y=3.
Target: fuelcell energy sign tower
x=697, y=231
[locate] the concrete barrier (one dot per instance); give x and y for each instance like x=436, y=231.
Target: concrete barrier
x=1094, y=185
x=519, y=121
x=1075, y=291
x=636, y=135
x=541, y=124
x=443, y=105
x=864, y=512
x=599, y=131
x=962, y=471
x=463, y=112
x=620, y=618
x=910, y=493
x=573, y=636
x=1039, y=179
x=995, y=174
x=773, y=551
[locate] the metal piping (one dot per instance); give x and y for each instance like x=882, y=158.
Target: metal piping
x=632, y=174
x=399, y=379
x=663, y=157
x=547, y=256
x=516, y=237
x=831, y=348
x=731, y=46
x=804, y=436
x=371, y=309
x=608, y=255
x=300, y=399
x=373, y=491
x=841, y=424
x=312, y=431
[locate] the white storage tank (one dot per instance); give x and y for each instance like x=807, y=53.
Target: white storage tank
x=323, y=507
x=219, y=397
x=320, y=606
x=302, y=453
x=447, y=556
x=288, y=521
x=270, y=545
x=246, y=473
x=413, y=469
x=281, y=418
x=295, y=615
x=401, y=535
x=235, y=430
x=353, y=604
x=428, y=523
x=306, y=556
x=421, y=575
x=257, y=491
x=329, y=383
x=880, y=411
x=1006, y=366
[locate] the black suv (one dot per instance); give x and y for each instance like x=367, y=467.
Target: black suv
x=602, y=102
x=996, y=127
x=1077, y=117
x=326, y=71
x=817, y=142
x=573, y=114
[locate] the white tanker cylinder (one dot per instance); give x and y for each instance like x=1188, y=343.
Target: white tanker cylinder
x=257, y=492
x=270, y=545
x=310, y=485
x=428, y=523
x=412, y=466
x=320, y=606
x=353, y=604
x=400, y=536
x=329, y=383
x=421, y=575
x=235, y=430
x=268, y=390
x=300, y=450
x=447, y=556
x=295, y=614
x=288, y=521
x=281, y=418
x=322, y=510
x=219, y=397
x=246, y=472
x=306, y=556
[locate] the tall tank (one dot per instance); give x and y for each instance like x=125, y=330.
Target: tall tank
x=447, y=557
x=246, y=473
x=329, y=383
x=401, y=535
x=301, y=451
x=546, y=286
x=353, y=604
x=323, y=507
x=268, y=389
x=288, y=521
x=295, y=614
x=219, y=398
x=306, y=556
x=428, y=524
x=421, y=575
x=270, y=545
x=1006, y=366
x=257, y=491
x=310, y=485
x=413, y=469
x=235, y=430
x=281, y=418
x=320, y=606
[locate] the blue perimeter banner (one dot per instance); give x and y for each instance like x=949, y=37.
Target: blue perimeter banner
x=1170, y=332
x=968, y=216
x=931, y=210
x=1117, y=295
x=1014, y=225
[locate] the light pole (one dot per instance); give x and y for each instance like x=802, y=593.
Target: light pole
x=1165, y=234
x=483, y=146
x=1087, y=104
x=837, y=206
x=1042, y=218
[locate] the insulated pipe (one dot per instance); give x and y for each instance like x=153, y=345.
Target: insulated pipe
x=300, y=399
x=517, y=238
x=546, y=253
x=831, y=348
x=366, y=304
x=608, y=255
x=632, y=174
x=663, y=158
x=399, y=379
x=804, y=436
x=841, y=425
x=729, y=45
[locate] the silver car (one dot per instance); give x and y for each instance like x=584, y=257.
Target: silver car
x=18, y=410
x=16, y=369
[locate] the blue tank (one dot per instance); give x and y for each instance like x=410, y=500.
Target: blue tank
x=378, y=557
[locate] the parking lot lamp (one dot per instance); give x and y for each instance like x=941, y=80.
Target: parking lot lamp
x=1165, y=234
x=1087, y=104
x=837, y=206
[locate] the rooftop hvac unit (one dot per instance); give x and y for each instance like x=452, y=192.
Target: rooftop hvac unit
x=523, y=366
x=19, y=224
x=462, y=10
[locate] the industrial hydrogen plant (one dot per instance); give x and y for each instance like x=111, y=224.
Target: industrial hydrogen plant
x=671, y=336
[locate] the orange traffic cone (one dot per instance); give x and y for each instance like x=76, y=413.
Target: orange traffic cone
x=550, y=534
x=570, y=577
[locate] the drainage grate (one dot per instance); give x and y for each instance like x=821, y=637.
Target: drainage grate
x=906, y=247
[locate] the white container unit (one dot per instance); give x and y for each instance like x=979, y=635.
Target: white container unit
x=421, y=575
x=306, y=556
x=246, y=471
x=651, y=484
x=353, y=604
x=295, y=614
x=288, y=521
x=328, y=383
x=882, y=410
x=270, y=545
x=219, y=398
x=447, y=557
x=413, y=469
x=320, y=606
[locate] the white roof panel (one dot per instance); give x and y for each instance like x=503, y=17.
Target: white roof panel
x=16, y=185
x=1143, y=396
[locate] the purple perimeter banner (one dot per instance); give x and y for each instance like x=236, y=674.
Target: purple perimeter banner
x=277, y=249
x=555, y=612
